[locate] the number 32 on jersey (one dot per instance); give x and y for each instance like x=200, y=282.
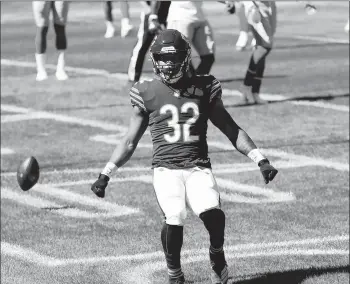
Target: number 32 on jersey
x=184, y=129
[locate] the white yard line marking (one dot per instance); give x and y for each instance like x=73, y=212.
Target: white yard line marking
x=108, y=209
x=113, y=210
x=27, y=255
x=244, y=249
x=6, y=151
x=61, y=118
x=124, y=77
x=291, y=160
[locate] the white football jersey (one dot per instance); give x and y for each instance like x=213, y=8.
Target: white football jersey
x=189, y=10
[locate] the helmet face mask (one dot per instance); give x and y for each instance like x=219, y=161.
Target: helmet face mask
x=170, y=54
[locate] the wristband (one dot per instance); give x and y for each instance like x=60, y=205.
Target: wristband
x=255, y=156
x=109, y=168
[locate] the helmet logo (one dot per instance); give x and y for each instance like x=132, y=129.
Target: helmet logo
x=168, y=49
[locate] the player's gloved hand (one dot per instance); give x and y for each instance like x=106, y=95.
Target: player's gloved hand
x=268, y=172
x=230, y=7
x=153, y=24
x=99, y=186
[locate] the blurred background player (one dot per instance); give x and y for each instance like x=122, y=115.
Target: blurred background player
x=153, y=19
x=126, y=27
x=41, y=10
x=261, y=16
x=242, y=40
x=189, y=19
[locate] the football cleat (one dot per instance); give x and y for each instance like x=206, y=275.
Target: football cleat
x=219, y=278
x=110, y=30
x=258, y=100
x=171, y=55
x=41, y=76
x=125, y=30
x=61, y=75
x=180, y=280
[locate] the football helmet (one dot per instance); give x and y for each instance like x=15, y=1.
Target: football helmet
x=171, y=55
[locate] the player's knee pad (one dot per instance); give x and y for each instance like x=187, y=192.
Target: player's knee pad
x=214, y=221
x=206, y=63
x=40, y=39
x=61, y=39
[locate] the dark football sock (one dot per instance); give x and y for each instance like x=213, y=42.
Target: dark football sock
x=172, y=239
x=40, y=39
x=61, y=39
x=108, y=11
x=256, y=83
x=250, y=74
x=214, y=221
x=260, y=68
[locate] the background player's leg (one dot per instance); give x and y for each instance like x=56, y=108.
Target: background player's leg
x=242, y=40
x=170, y=191
x=263, y=33
x=41, y=11
x=126, y=27
x=204, y=199
x=108, y=10
x=203, y=42
x=186, y=28
x=60, y=14
x=144, y=40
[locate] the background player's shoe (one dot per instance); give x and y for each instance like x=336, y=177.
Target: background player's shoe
x=61, y=75
x=41, y=76
x=40, y=66
x=346, y=28
x=258, y=100
x=110, y=30
x=242, y=41
x=219, y=278
x=247, y=96
x=126, y=27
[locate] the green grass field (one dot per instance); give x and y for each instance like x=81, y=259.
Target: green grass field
x=294, y=230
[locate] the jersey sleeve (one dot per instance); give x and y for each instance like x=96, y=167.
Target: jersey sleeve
x=215, y=90
x=136, y=97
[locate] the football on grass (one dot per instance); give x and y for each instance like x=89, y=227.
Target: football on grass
x=28, y=173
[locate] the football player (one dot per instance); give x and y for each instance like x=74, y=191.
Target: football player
x=188, y=18
x=153, y=19
x=261, y=17
x=126, y=27
x=41, y=10
x=177, y=104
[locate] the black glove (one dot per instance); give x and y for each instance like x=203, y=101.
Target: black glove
x=230, y=7
x=100, y=185
x=268, y=172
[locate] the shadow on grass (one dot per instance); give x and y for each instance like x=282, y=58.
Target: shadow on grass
x=293, y=276
x=228, y=80
x=328, y=97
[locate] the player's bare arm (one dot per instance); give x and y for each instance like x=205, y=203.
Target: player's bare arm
x=124, y=150
x=137, y=127
x=240, y=139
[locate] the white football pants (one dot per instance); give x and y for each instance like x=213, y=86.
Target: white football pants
x=173, y=188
